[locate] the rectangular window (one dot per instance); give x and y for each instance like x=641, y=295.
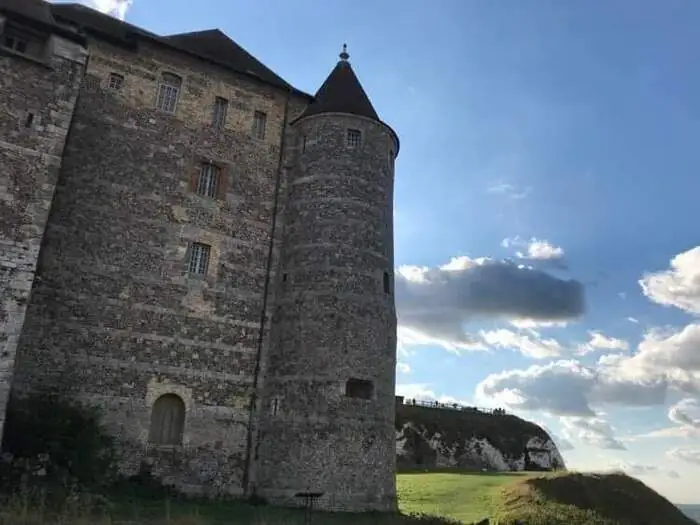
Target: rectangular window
x=359, y=388
x=354, y=138
x=22, y=41
x=198, y=263
x=116, y=81
x=168, y=92
x=259, y=122
x=275, y=406
x=208, y=180
x=387, y=283
x=220, y=111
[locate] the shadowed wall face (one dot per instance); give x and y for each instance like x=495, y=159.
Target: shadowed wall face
x=154, y=260
x=40, y=75
x=329, y=388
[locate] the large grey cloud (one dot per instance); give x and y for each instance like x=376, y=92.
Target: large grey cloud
x=569, y=388
x=438, y=301
x=596, y=432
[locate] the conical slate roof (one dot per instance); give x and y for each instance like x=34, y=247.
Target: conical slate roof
x=342, y=93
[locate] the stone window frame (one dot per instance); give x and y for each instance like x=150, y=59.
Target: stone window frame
x=357, y=388
x=115, y=81
x=219, y=113
x=198, y=259
x=353, y=138
x=221, y=184
x=208, y=180
x=259, y=124
x=169, y=90
x=34, y=43
x=174, y=416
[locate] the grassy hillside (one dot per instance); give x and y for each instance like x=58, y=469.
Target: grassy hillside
x=466, y=496
x=538, y=499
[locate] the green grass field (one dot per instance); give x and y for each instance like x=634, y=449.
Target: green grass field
x=425, y=498
x=466, y=496
x=563, y=498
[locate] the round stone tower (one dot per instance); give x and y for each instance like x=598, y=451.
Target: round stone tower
x=327, y=420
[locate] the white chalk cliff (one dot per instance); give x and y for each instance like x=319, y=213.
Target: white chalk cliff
x=526, y=448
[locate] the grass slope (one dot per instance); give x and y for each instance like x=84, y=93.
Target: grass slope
x=537, y=499
x=462, y=495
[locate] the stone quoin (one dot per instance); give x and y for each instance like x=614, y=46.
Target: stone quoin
x=201, y=250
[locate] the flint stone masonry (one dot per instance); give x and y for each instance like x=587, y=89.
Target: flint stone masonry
x=115, y=314
x=333, y=322
x=38, y=97
x=254, y=354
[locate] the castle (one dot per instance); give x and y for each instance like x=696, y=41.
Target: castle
x=201, y=250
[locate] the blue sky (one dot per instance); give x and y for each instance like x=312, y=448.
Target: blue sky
x=548, y=152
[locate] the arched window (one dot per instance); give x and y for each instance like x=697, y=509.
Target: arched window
x=167, y=420
x=168, y=92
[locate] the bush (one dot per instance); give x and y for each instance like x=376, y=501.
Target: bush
x=57, y=440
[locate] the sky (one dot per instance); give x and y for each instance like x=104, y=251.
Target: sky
x=547, y=259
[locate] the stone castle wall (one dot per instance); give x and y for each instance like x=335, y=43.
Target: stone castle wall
x=38, y=97
x=116, y=320
x=334, y=321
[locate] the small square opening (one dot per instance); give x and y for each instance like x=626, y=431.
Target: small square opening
x=359, y=388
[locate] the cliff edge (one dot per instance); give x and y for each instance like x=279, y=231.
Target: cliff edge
x=468, y=438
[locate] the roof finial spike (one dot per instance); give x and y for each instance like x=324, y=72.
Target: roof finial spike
x=344, y=55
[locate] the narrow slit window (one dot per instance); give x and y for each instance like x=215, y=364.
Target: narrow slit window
x=198, y=262
x=275, y=406
x=354, y=138
x=387, y=283
x=208, y=180
x=359, y=388
x=168, y=92
x=29, y=120
x=303, y=144
x=116, y=81
x=259, y=123
x=220, y=112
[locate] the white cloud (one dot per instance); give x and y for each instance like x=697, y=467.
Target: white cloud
x=569, y=388
x=424, y=392
x=408, y=337
x=536, y=250
x=668, y=432
x=678, y=286
x=633, y=320
x=403, y=368
x=595, y=431
x=686, y=413
x=527, y=345
x=525, y=324
x=115, y=8
x=599, y=341
x=435, y=303
x=509, y=191
x=687, y=454
x=637, y=469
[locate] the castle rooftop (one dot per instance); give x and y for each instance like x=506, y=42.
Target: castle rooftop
x=342, y=93
x=210, y=45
